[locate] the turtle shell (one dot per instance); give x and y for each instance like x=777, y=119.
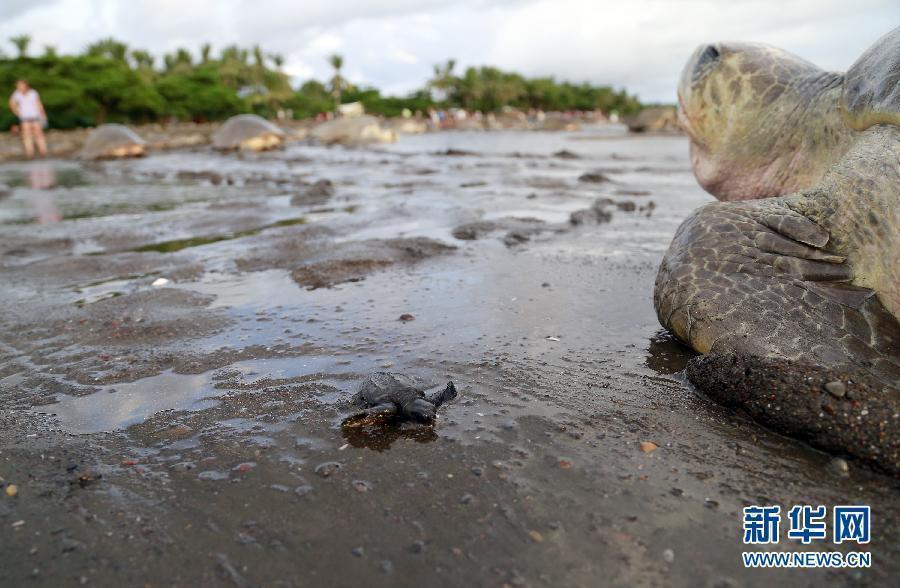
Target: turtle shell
x=384, y=387
x=871, y=92
x=242, y=128
x=109, y=141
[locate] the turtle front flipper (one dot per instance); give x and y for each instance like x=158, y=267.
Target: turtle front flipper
x=761, y=281
x=442, y=395
x=754, y=277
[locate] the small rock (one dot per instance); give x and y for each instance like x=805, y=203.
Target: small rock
x=406, y=317
x=361, y=485
x=418, y=546
x=536, y=536
x=279, y=487
x=86, y=479
x=478, y=471
x=386, y=565
x=358, y=551
x=593, y=178
x=836, y=389
x=466, y=498
x=212, y=476
x=303, y=490
x=159, y=282
x=564, y=463
x=328, y=468
x=839, y=467
x=668, y=555
x=12, y=490
x=244, y=467
x=648, y=446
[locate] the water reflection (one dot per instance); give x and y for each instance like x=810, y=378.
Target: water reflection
x=40, y=179
x=666, y=355
x=380, y=434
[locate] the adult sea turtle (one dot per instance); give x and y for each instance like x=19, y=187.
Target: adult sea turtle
x=247, y=132
x=793, y=291
x=112, y=141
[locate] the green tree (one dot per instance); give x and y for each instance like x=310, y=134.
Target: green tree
x=108, y=47
x=443, y=81
x=337, y=82
x=21, y=42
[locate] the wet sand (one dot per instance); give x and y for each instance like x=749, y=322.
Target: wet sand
x=189, y=432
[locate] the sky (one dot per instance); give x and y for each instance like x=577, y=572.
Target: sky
x=393, y=44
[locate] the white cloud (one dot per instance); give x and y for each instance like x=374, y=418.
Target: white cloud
x=640, y=44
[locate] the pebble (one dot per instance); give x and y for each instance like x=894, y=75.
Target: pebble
x=279, y=487
x=406, y=317
x=836, y=389
x=839, y=467
x=328, y=468
x=358, y=551
x=418, y=546
x=12, y=490
x=648, y=446
x=303, y=490
x=212, y=476
x=361, y=485
x=244, y=467
x=668, y=555
x=386, y=565
x=536, y=536
x=466, y=498
x=478, y=471
x=564, y=463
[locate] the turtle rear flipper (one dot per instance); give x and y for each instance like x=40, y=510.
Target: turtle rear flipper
x=440, y=396
x=379, y=410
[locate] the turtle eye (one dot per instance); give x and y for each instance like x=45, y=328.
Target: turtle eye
x=709, y=55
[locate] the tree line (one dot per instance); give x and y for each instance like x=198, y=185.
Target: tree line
x=111, y=82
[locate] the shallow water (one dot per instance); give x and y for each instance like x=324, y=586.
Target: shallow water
x=273, y=312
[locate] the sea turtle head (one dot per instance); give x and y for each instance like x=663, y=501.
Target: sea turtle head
x=762, y=122
x=420, y=410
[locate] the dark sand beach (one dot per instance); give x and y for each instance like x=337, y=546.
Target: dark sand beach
x=178, y=352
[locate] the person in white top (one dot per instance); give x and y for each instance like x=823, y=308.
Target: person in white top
x=26, y=104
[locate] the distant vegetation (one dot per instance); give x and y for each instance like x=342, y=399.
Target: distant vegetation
x=110, y=82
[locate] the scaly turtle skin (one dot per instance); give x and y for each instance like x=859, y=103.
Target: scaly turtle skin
x=385, y=393
x=112, y=141
x=247, y=132
x=806, y=280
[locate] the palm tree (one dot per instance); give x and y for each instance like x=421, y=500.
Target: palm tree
x=205, y=50
x=21, y=42
x=277, y=60
x=142, y=59
x=443, y=81
x=110, y=48
x=337, y=62
x=50, y=51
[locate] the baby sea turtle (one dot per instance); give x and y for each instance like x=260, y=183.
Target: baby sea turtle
x=387, y=394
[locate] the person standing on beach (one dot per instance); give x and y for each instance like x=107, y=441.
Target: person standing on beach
x=27, y=106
